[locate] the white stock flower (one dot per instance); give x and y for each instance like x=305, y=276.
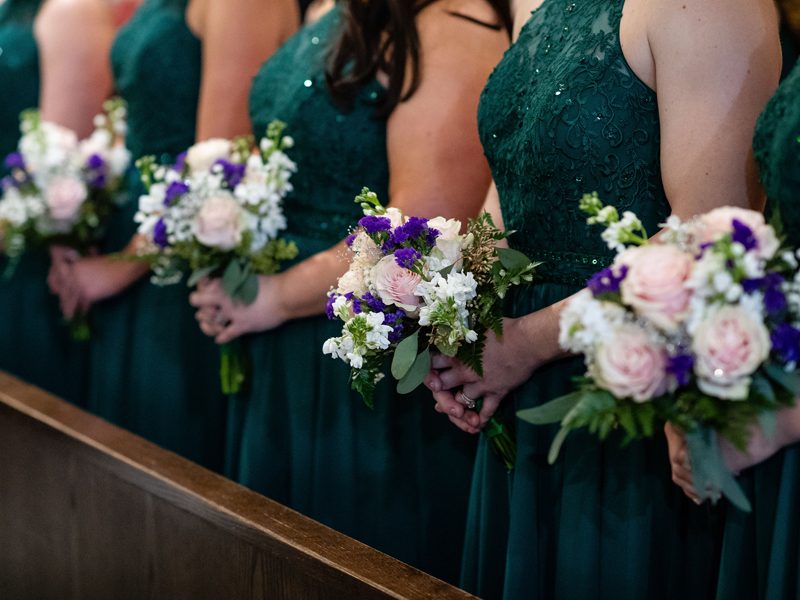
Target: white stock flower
x=586, y=322
x=203, y=155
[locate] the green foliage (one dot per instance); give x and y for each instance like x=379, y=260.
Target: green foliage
x=472, y=354
x=416, y=374
x=404, y=355
x=363, y=380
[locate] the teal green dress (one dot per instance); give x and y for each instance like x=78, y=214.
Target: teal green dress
x=761, y=551
x=35, y=344
x=563, y=114
x=152, y=369
x=397, y=477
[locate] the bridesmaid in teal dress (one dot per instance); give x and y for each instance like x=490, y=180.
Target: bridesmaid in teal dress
x=565, y=113
x=396, y=477
x=152, y=371
x=36, y=344
x=761, y=551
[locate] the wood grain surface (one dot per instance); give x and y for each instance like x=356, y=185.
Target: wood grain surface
x=90, y=511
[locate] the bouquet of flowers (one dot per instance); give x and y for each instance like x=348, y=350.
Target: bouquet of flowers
x=217, y=212
x=61, y=190
x=414, y=284
x=701, y=331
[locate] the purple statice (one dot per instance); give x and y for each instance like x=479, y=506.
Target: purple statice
x=744, y=235
x=786, y=343
x=406, y=257
x=411, y=229
x=329, y=307
x=681, y=366
x=374, y=224
x=774, y=301
x=8, y=182
x=430, y=239
x=180, y=162
x=395, y=319
x=160, y=234
x=15, y=160
x=349, y=239
x=97, y=175
x=98, y=180
x=606, y=282
x=231, y=173
x=375, y=303
x=95, y=162
x=772, y=286
x=176, y=188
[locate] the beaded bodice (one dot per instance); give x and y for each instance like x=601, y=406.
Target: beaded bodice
x=19, y=69
x=563, y=115
x=776, y=146
x=157, y=65
x=337, y=151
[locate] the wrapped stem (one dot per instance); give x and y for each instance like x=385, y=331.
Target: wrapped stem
x=79, y=326
x=233, y=367
x=501, y=438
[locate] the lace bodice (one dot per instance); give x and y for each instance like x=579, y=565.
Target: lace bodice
x=337, y=151
x=776, y=146
x=19, y=69
x=562, y=115
x=157, y=65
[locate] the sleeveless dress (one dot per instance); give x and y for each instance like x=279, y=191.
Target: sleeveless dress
x=563, y=114
x=396, y=477
x=761, y=550
x=35, y=344
x=153, y=371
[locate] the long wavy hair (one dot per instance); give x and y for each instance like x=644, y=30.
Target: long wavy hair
x=381, y=35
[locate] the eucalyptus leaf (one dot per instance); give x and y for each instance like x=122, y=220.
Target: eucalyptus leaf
x=709, y=470
x=404, y=355
x=232, y=278
x=762, y=386
x=198, y=274
x=248, y=291
x=446, y=349
x=791, y=381
x=416, y=374
x=769, y=423
x=512, y=259
x=551, y=412
x=555, y=448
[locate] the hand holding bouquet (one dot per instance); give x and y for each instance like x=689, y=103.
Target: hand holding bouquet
x=700, y=331
x=217, y=213
x=414, y=284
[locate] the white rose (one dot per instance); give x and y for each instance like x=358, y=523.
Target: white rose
x=729, y=346
x=202, y=156
x=395, y=215
x=220, y=222
x=352, y=281
x=64, y=197
x=447, y=228
x=449, y=244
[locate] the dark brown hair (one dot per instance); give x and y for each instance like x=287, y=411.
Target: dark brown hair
x=381, y=35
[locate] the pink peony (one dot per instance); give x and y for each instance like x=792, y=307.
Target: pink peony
x=729, y=346
x=64, y=198
x=630, y=366
x=396, y=285
x=219, y=223
x=655, y=285
x=719, y=222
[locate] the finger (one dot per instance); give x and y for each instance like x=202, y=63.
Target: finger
x=206, y=313
x=442, y=361
x=463, y=426
x=449, y=405
x=457, y=377
x=209, y=295
x=432, y=381
x=69, y=302
x=210, y=329
x=229, y=333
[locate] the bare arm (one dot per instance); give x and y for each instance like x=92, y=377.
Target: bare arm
x=74, y=39
x=435, y=157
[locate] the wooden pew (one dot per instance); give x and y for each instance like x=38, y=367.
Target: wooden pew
x=90, y=511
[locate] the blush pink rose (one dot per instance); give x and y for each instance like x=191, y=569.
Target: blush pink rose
x=655, y=285
x=729, y=346
x=219, y=223
x=629, y=366
x=396, y=285
x=64, y=197
x=719, y=222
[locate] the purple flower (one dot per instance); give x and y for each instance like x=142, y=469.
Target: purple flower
x=774, y=300
x=95, y=162
x=180, y=161
x=605, y=282
x=744, y=235
x=231, y=173
x=160, y=234
x=357, y=309
x=411, y=229
x=14, y=161
x=329, y=307
x=681, y=367
x=772, y=284
x=375, y=304
x=406, y=257
x=349, y=239
x=176, y=188
x=375, y=224
x=786, y=343
x=98, y=181
x=8, y=182
x=395, y=318
x=430, y=239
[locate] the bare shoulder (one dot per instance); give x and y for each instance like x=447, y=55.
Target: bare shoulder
x=740, y=26
x=73, y=16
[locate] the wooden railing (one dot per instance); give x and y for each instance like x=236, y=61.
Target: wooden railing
x=90, y=511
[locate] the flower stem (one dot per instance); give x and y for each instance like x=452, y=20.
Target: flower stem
x=233, y=366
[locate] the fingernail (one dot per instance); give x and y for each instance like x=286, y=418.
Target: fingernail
x=453, y=411
x=696, y=501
